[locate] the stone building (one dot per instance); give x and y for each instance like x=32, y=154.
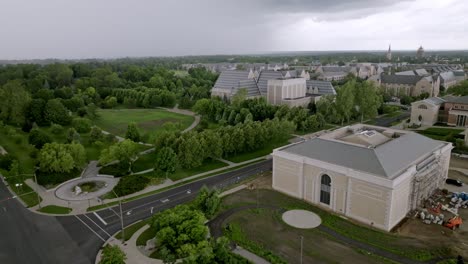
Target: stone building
x=372, y=174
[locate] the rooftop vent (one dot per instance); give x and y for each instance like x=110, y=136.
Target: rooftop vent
x=368, y=133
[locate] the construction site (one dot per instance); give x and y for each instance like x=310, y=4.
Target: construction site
x=438, y=219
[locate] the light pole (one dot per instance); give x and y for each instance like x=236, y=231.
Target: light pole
x=121, y=217
x=37, y=189
x=302, y=240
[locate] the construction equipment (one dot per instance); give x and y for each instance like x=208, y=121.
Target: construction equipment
x=454, y=222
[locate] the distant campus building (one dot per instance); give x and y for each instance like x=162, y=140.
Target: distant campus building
x=372, y=174
x=450, y=110
x=292, y=88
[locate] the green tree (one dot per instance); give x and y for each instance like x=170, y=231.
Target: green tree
x=166, y=161
x=81, y=125
x=368, y=100
x=345, y=100
x=55, y=112
x=14, y=100
x=239, y=97
x=112, y=255
x=126, y=152
x=73, y=136
x=35, y=112
x=133, y=133
x=110, y=102
x=180, y=229
x=38, y=138
x=190, y=151
x=95, y=134
x=406, y=100
x=208, y=201
x=130, y=184
x=55, y=157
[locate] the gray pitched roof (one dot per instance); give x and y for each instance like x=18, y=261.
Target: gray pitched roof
x=386, y=160
x=234, y=80
x=251, y=86
x=459, y=73
x=460, y=100
x=400, y=79
x=323, y=87
x=230, y=79
x=264, y=77
x=434, y=100
x=336, y=68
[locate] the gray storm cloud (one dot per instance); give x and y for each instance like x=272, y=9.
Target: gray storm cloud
x=119, y=28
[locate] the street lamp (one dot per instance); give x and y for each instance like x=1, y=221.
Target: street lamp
x=121, y=217
x=302, y=240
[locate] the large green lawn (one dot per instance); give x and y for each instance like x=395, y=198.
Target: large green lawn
x=148, y=121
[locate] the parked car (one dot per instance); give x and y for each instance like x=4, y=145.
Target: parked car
x=454, y=182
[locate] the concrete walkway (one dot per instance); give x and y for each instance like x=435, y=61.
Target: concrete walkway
x=185, y=112
x=249, y=255
x=91, y=170
x=131, y=250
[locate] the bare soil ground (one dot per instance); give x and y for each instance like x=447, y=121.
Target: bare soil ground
x=436, y=235
x=459, y=162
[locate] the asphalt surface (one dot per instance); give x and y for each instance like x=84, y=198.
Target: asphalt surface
x=30, y=238
x=26, y=237
x=387, y=121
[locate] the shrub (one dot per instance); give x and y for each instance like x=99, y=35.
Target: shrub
x=95, y=134
x=82, y=125
x=109, y=138
x=6, y=161
x=17, y=139
x=38, y=138
x=130, y=184
x=34, y=154
x=53, y=178
x=115, y=169
x=56, y=129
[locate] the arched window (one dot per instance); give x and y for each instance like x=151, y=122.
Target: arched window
x=325, y=188
x=422, y=106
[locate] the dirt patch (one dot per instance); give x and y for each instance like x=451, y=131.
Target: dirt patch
x=454, y=174
x=264, y=181
x=459, y=162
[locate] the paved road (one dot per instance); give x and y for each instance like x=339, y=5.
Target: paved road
x=387, y=121
x=30, y=238
x=26, y=237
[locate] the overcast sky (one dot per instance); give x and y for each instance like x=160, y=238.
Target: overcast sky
x=121, y=28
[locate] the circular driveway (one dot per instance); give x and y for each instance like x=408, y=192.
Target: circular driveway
x=65, y=191
x=301, y=219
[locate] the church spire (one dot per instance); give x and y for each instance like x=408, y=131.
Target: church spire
x=389, y=52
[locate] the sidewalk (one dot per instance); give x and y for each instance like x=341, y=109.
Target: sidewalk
x=249, y=255
x=81, y=207
x=131, y=250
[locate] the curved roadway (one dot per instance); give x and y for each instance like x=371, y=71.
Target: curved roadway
x=27, y=237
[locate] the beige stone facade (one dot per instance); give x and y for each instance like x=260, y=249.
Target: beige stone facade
x=378, y=201
x=424, y=113
x=288, y=91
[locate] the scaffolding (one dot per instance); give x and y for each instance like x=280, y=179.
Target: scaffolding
x=428, y=178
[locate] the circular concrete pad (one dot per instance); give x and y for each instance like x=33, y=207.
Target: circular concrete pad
x=301, y=219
